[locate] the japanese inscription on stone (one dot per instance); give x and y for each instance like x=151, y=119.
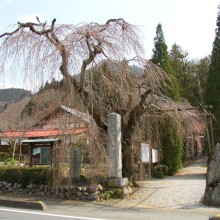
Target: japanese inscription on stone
x=114, y=145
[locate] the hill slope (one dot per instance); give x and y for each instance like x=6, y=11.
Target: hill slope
x=11, y=95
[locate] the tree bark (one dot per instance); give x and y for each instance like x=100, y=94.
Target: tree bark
x=128, y=135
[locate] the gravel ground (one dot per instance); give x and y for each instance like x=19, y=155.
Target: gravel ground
x=182, y=191
x=185, y=190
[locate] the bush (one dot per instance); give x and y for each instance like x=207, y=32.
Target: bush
x=4, y=156
x=9, y=161
x=172, y=147
x=114, y=193
x=172, y=156
x=160, y=171
x=26, y=175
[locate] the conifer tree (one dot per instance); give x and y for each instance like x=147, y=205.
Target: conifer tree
x=162, y=59
x=171, y=143
x=212, y=93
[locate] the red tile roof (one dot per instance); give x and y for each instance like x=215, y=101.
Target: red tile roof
x=40, y=133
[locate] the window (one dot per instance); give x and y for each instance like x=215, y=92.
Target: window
x=41, y=155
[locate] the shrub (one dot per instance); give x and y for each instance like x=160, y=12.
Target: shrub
x=4, y=156
x=160, y=171
x=9, y=161
x=172, y=155
x=114, y=193
x=26, y=175
x=172, y=146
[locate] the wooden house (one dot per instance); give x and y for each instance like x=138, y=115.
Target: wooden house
x=62, y=125
x=4, y=145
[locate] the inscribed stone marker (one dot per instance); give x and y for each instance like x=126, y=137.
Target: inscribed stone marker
x=114, y=146
x=75, y=162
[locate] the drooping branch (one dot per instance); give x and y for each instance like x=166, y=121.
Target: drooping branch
x=69, y=46
x=9, y=33
x=136, y=113
x=81, y=49
x=92, y=111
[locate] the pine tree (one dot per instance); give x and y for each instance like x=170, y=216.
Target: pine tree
x=212, y=93
x=162, y=59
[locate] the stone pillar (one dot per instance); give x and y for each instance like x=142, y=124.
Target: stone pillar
x=114, y=146
x=75, y=162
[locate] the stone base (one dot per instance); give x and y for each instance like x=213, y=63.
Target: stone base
x=117, y=183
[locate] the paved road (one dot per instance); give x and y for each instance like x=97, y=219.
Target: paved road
x=18, y=214
x=94, y=212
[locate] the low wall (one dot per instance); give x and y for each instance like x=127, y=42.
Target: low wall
x=73, y=192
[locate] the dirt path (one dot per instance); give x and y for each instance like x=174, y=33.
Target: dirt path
x=184, y=190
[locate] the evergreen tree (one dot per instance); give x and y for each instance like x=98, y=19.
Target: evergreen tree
x=171, y=143
x=162, y=59
x=184, y=73
x=172, y=146
x=203, y=70
x=212, y=93
x=179, y=61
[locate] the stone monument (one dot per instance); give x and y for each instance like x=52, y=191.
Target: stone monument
x=75, y=162
x=114, y=146
x=114, y=151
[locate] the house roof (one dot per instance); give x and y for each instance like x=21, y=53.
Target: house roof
x=41, y=133
x=81, y=115
x=85, y=117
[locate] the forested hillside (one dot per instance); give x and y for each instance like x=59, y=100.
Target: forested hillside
x=11, y=95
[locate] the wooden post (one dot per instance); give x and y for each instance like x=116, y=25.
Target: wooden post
x=140, y=170
x=51, y=150
x=14, y=148
x=205, y=117
x=20, y=153
x=31, y=154
x=150, y=161
x=140, y=164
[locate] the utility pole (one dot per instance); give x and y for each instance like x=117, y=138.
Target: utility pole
x=210, y=147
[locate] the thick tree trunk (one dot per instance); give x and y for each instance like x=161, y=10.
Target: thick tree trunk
x=127, y=151
x=127, y=161
x=128, y=130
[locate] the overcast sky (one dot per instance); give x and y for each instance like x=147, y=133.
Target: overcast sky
x=189, y=23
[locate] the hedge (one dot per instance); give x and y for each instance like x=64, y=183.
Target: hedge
x=26, y=175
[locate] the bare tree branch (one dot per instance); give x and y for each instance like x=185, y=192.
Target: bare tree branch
x=33, y=25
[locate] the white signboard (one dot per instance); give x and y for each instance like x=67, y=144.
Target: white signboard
x=145, y=153
x=154, y=156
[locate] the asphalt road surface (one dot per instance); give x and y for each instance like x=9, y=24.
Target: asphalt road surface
x=16, y=214
x=91, y=212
